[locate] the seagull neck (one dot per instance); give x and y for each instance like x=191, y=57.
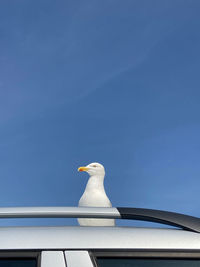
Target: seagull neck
x=95, y=181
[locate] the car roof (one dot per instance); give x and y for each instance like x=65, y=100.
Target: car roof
x=92, y=238
x=76, y=237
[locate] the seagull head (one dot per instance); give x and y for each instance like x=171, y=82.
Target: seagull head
x=93, y=169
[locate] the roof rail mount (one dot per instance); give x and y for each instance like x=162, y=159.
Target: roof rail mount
x=185, y=222
x=164, y=217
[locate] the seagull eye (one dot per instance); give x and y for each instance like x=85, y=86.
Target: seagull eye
x=94, y=165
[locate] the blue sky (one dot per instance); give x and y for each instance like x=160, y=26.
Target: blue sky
x=115, y=82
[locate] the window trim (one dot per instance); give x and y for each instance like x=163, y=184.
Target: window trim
x=144, y=253
x=74, y=256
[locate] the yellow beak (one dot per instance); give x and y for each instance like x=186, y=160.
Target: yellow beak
x=83, y=169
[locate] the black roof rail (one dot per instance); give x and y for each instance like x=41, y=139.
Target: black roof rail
x=185, y=222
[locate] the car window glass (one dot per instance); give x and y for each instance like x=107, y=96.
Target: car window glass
x=147, y=262
x=18, y=262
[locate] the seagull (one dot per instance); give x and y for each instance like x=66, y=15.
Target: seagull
x=95, y=195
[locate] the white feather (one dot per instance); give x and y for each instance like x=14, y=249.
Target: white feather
x=95, y=196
